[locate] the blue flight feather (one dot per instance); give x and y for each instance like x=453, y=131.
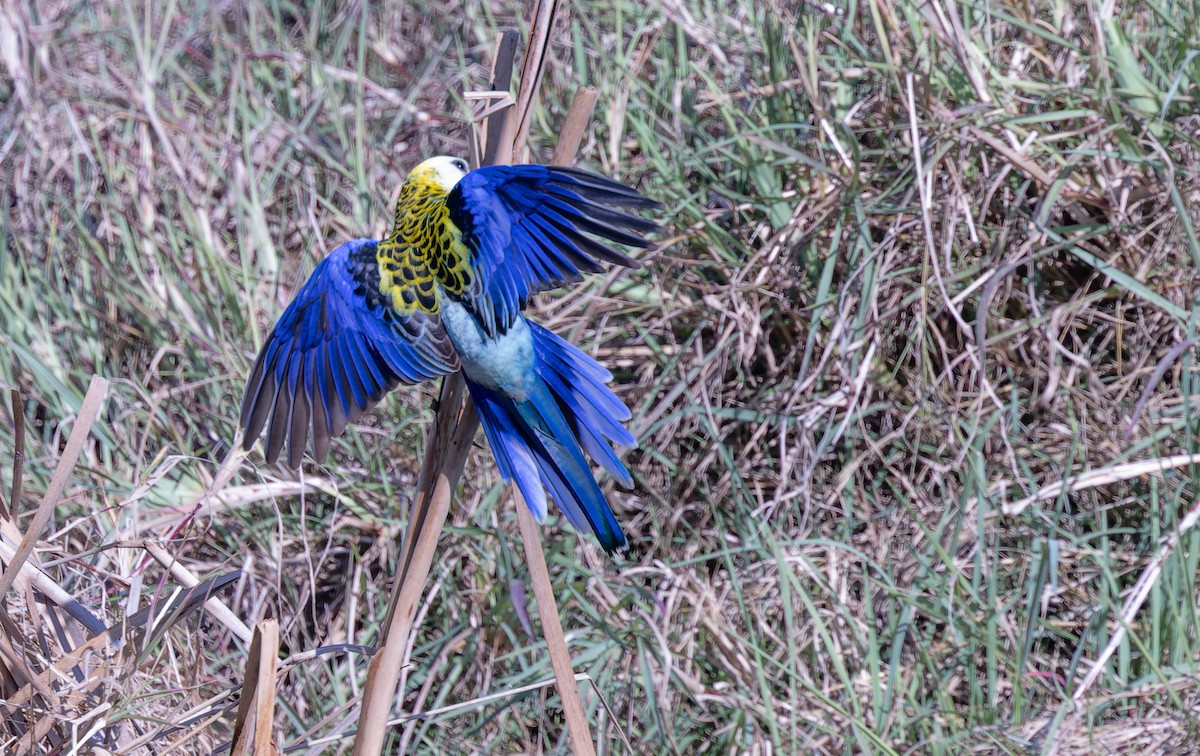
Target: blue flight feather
x=336, y=350
x=525, y=227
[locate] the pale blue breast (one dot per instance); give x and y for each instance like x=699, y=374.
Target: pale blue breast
x=504, y=364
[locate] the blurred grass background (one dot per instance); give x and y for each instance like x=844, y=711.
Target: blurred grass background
x=920, y=261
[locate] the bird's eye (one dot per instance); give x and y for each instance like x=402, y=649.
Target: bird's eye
x=461, y=165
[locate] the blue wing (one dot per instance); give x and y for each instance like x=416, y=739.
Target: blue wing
x=338, y=348
x=532, y=227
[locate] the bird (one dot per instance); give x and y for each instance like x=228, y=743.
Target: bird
x=446, y=290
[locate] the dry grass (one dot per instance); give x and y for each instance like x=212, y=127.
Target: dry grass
x=848, y=362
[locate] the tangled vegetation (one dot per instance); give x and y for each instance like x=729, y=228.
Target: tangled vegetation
x=911, y=368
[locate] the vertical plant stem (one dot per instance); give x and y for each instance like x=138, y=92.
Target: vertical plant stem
x=543, y=590
x=446, y=454
x=556, y=643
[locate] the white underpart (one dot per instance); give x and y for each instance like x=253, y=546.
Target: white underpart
x=504, y=364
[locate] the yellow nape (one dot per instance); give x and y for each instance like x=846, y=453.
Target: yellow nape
x=424, y=253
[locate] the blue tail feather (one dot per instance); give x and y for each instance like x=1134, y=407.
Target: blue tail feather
x=502, y=426
x=561, y=464
x=539, y=442
x=591, y=428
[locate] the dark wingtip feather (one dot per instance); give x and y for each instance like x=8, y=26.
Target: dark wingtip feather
x=251, y=392
x=254, y=413
x=602, y=189
x=298, y=430
x=320, y=424
x=259, y=396
x=592, y=250
x=278, y=425
x=331, y=357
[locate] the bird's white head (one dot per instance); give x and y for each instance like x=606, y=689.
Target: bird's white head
x=442, y=172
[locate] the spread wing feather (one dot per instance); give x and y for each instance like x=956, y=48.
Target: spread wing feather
x=336, y=351
x=533, y=227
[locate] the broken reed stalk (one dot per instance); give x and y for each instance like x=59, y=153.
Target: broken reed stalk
x=253, y=731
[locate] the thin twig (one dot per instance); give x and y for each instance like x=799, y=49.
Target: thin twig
x=48, y=587
x=1133, y=603
x=1156, y=377
x=92, y=401
x=1101, y=477
x=188, y=579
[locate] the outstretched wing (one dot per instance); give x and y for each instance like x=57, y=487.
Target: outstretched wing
x=532, y=227
x=336, y=350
